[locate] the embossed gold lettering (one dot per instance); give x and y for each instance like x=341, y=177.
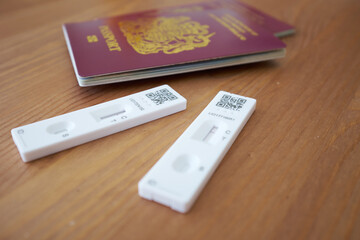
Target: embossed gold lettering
x=110, y=39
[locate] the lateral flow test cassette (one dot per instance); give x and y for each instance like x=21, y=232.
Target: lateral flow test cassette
x=177, y=179
x=55, y=134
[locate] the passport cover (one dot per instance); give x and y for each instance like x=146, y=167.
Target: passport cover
x=277, y=27
x=164, y=37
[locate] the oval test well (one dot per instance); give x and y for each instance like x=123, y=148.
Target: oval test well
x=178, y=177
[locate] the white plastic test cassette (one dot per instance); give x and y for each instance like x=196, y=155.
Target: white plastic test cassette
x=65, y=131
x=178, y=177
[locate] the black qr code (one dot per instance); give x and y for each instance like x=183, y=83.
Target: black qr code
x=232, y=103
x=161, y=96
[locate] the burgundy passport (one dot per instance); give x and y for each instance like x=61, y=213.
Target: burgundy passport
x=172, y=40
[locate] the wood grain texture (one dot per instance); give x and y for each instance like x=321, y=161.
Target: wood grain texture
x=293, y=173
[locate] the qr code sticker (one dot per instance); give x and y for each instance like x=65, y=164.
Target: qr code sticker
x=232, y=103
x=161, y=96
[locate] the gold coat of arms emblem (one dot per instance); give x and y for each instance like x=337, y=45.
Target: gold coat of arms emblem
x=169, y=35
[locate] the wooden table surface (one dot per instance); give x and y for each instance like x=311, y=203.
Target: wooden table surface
x=293, y=172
